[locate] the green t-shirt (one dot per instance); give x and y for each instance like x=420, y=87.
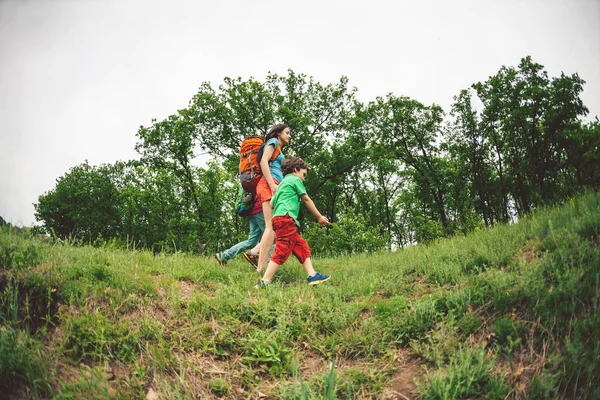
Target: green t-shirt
x=287, y=197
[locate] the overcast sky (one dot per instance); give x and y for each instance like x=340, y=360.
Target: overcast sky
x=78, y=77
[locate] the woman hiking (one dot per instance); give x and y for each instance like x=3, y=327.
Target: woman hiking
x=270, y=165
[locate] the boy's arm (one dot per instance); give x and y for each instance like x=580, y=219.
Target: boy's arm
x=321, y=219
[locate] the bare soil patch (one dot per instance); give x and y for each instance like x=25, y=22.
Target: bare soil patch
x=311, y=364
x=402, y=383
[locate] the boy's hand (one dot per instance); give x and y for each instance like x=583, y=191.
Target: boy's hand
x=323, y=221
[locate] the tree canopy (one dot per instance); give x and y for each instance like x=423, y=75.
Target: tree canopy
x=388, y=173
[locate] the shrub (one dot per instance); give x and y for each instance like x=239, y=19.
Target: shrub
x=350, y=235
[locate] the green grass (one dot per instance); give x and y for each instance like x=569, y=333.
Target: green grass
x=508, y=311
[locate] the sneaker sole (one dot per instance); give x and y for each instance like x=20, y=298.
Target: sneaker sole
x=321, y=281
x=247, y=257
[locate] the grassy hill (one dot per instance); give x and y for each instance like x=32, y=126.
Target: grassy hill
x=511, y=311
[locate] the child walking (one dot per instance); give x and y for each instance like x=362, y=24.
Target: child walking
x=286, y=206
x=257, y=227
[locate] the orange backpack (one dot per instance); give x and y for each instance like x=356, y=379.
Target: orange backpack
x=251, y=151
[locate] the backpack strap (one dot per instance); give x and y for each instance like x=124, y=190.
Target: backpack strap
x=273, y=156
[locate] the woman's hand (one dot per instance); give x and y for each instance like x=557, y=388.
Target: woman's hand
x=274, y=187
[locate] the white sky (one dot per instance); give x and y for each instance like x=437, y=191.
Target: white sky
x=78, y=77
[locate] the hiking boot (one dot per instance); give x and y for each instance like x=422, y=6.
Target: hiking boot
x=220, y=260
x=318, y=278
x=252, y=259
x=262, y=284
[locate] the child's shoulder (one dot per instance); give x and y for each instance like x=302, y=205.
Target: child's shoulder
x=294, y=182
x=291, y=178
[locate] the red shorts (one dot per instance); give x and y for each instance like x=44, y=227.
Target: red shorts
x=288, y=241
x=263, y=191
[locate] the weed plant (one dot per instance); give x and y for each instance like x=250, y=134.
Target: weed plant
x=506, y=312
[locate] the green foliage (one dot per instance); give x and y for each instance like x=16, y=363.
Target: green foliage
x=20, y=363
x=581, y=366
x=89, y=384
x=269, y=351
x=350, y=235
x=466, y=376
x=427, y=230
x=474, y=310
x=439, y=345
x=321, y=387
x=84, y=203
x=94, y=336
x=220, y=387
x=390, y=173
x=543, y=386
x=91, y=335
x=507, y=330
x=390, y=309
x=336, y=384
x=17, y=250
x=469, y=323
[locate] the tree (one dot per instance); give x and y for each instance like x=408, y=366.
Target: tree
x=410, y=132
x=525, y=118
x=470, y=150
x=318, y=115
x=170, y=145
x=392, y=164
x=84, y=203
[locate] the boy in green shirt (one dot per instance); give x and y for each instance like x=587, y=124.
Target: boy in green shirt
x=286, y=204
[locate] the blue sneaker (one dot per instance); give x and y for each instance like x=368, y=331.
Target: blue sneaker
x=318, y=278
x=262, y=284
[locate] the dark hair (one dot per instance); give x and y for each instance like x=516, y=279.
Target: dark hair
x=291, y=164
x=275, y=131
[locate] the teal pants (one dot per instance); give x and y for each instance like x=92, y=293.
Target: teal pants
x=257, y=227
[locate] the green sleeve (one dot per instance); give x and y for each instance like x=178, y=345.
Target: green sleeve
x=299, y=187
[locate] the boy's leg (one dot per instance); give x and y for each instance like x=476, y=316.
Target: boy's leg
x=284, y=231
x=302, y=253
x=308, y=267
x=270, y=271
